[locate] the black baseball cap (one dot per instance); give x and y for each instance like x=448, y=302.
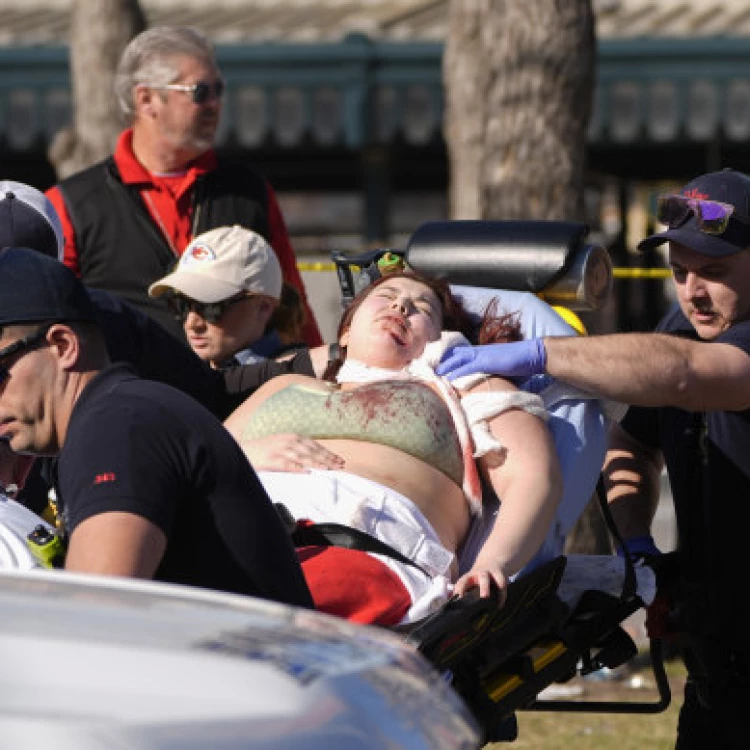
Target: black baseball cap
x=728, y=186
x=36, y=288
x=28, y=219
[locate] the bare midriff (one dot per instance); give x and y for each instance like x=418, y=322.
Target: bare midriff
x=398, y=434
x=439, y=498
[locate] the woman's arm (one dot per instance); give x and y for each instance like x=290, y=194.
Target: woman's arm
x=527, y=479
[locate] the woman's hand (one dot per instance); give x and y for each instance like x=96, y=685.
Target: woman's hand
x=484, y=577
x=290, y=452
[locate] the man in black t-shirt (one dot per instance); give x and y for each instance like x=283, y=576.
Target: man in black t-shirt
x=150, y=484
x=689, y=384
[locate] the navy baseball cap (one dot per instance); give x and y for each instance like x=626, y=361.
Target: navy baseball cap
x=727, y=186
x=36, y=288
x=28, y=219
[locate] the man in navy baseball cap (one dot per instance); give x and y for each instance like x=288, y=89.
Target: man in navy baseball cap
x=688, y=387
x=149, y=483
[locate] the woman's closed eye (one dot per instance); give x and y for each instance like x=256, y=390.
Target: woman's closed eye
x=426, y=307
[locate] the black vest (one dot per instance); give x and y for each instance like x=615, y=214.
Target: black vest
x=120, y=247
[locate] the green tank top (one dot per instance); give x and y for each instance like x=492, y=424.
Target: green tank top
x=408, y=416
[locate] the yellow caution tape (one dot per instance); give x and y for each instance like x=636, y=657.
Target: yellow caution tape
x=641, y=273
x=316, y=266
x=618, y=273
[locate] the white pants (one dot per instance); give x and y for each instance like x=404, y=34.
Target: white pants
x=339, y=497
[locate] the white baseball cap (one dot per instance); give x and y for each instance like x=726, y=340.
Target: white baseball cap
x=223, y=263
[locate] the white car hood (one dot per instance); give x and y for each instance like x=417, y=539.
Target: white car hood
x=90, y=662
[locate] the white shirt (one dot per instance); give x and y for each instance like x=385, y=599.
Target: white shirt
x=16, y=523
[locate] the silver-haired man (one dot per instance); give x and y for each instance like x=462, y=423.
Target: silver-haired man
x=127, y=219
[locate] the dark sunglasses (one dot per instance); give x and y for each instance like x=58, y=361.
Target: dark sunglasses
x=712, y=217
x=201, y=92
x=22, y=346
x=211, y=312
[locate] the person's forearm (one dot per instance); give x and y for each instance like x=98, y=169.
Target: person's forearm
x=240, y=382
x=631, y=475
x=652, y=370
x=527, y=509
x=642, y=369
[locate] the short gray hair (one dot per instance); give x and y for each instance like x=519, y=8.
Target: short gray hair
x=150, y=58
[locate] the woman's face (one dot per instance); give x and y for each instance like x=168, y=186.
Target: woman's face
x=393, y=324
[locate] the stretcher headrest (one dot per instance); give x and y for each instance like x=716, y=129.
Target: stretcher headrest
x=549, y=258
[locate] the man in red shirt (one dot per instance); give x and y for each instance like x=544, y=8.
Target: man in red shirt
x=128, y=219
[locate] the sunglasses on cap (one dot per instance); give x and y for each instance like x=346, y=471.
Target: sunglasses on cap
x=211, y=312
x=200, y=92
x=712, y=217
x=20, y=347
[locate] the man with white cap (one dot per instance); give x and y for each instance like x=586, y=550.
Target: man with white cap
x=224, y=292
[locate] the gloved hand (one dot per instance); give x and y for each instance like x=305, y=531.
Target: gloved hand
x=519, y=359
x=640, y=546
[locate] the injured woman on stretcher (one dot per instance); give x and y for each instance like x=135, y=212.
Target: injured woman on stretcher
x=388, y=448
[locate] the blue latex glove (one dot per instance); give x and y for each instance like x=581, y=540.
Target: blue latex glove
x=519, y=359
x=640, y=546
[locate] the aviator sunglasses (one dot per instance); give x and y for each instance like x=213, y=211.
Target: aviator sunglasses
x=22, y=346
x=200, y=92
x=211, y=312
x=712, y=217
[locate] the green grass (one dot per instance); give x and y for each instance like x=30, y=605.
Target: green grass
x=589, y=731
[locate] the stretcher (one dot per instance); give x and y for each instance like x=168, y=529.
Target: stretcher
x=499, y=658
x=500, y=655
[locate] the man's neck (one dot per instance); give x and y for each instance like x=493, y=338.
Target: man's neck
x=75, y=385
x=159, y=158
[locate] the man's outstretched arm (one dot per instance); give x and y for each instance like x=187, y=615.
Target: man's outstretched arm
x=643, y=369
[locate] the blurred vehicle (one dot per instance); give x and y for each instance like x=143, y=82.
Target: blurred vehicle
x=93, y=662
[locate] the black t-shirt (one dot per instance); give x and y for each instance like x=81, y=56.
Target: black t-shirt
x=712, y=500
x=141, y=447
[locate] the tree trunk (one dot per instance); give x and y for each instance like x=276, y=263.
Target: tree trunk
x=99, y=32
x=519, y=78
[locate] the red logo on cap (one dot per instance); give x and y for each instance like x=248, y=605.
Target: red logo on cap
x=199, y=252
x=106, y=477
x=695, y=194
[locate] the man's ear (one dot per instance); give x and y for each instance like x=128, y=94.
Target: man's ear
x=65, y=344
x=143, y=100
